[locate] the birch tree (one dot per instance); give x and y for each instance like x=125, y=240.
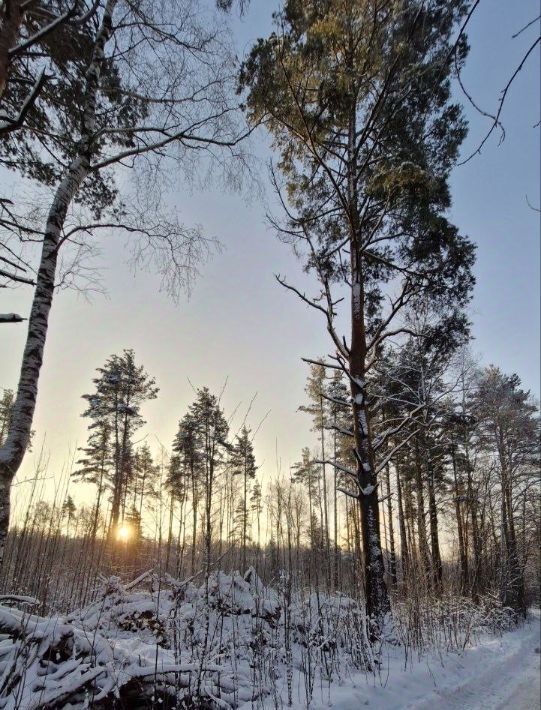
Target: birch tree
x=34, y=42
x=150, y=83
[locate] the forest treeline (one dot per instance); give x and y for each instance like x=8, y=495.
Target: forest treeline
x=424, y=474
x=458, y=499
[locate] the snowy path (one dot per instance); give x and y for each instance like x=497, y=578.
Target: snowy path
x=506, y=676
x=501, y=673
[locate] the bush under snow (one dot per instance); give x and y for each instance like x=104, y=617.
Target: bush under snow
x=230, y=642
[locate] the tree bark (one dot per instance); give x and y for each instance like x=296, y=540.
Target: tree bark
x=13, y=449
x=404, y=551
x=421, y=513
x=437, y=570
x=462, y=550
x=377, y=598
x=9, y=33
x=392, y=552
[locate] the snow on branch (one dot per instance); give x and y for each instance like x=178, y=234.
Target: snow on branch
x=11, y=318
x=338, y=466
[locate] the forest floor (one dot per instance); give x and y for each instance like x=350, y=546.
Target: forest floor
x=229, y=643
x=496, y=674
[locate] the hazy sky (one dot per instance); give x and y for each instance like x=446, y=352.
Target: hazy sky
x=240, y=325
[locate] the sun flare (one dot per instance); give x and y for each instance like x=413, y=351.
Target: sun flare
x=123, y=533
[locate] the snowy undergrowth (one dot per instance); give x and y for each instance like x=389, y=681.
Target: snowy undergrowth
x=230, y=642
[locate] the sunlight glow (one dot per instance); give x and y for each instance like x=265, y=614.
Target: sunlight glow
x=123, y=533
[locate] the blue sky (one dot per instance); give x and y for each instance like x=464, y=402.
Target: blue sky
x=240, y=325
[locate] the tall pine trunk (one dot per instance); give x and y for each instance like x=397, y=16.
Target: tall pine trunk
x=376, y=594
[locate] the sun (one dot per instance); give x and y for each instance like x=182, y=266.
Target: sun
x=123, y=533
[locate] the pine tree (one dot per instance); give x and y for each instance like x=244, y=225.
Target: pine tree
x=68, y=512
x=201, y=446
x=114, y=410
x=509, y=424
x=186, y=471
x=307, y=472
x=367, y=135
x=211, y=430
x=243, y=464
x=145, y=485
x=315, y=389
x=256, y=506
x=96, y=464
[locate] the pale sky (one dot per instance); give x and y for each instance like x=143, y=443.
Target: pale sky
x=240, y=325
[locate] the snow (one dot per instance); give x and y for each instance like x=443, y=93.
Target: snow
x=242, y=645
x=10, y=317
x=496, y=674
x=367, y=490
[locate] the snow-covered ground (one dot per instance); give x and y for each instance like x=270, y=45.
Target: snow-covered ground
x=500, y=673
x=235, y=644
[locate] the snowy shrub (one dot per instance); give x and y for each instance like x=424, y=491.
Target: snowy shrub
x=229, y=641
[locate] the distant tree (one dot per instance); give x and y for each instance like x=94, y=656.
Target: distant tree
x=201, y=447
x=211, y=429
x=134, y=528
x=317, y=408
x=145, y=478
x=96, y=463
x=114, y=411
x=42, y=515
x=307, y=473
x=256, y=506
x=68, y=513
x=186, y=471
x=510, y=426
x=242, y=462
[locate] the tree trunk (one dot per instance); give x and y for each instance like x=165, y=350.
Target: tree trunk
x=437, y=570
x=476, y=575
x=335, y=517
x=9, y=33
x=13, y=449
x=513, y=579
x=376, y=595
x=462, y=550
x=421, y=513
x=244, y=519
x=325, y=520
x=392, y=553
x=404, y=551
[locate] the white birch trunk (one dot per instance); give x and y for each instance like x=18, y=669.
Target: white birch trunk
x=13, y=450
